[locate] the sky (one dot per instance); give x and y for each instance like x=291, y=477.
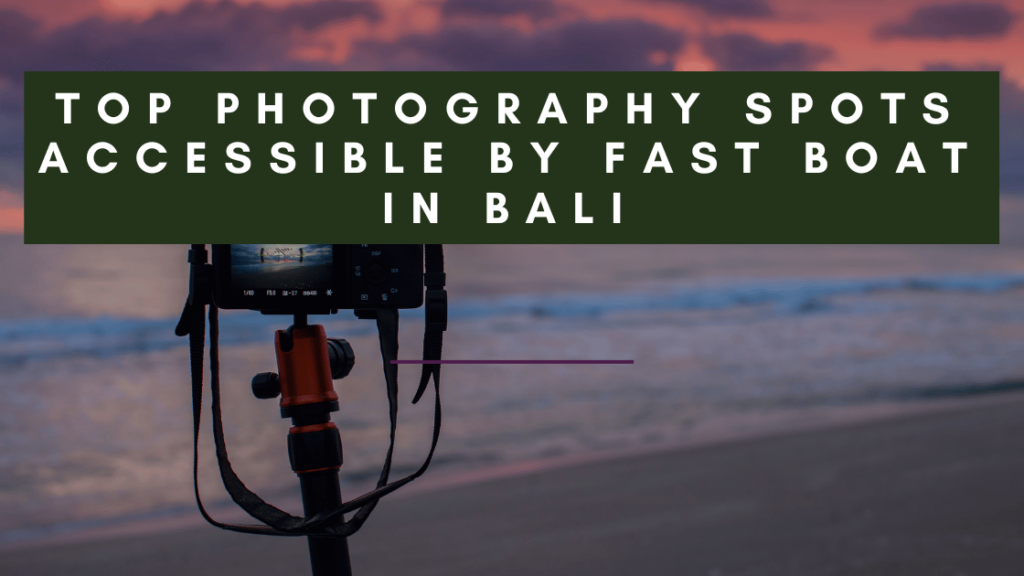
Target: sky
x=250, y=253
x=682, y=35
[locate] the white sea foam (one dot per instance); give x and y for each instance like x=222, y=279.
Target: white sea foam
x=105, y=336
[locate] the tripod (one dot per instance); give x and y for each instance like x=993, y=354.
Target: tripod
x=307, y=362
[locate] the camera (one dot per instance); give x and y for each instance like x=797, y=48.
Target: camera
x=317, y=278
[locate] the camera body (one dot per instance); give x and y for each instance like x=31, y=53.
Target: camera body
x=317, y=278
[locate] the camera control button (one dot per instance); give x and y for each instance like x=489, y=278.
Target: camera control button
x=376, y=273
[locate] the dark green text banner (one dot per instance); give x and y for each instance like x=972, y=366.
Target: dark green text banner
x=481, y=157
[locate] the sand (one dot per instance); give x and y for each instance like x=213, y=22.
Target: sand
x=933, y=493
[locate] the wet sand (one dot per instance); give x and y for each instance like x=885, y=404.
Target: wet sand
x=933, y=493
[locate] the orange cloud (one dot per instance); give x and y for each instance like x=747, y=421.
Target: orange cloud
x=12, y=213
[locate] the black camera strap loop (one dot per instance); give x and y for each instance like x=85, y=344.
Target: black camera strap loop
x=435, y=316
x=276, y=521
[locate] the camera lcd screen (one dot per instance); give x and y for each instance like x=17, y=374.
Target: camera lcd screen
x=282, y=270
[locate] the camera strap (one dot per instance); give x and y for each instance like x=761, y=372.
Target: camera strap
x=330, y=523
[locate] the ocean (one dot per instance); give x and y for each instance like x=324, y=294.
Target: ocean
x=98, y=419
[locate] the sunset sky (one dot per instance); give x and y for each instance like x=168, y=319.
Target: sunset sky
x=505, y=35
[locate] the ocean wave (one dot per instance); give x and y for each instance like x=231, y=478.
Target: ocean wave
x=22, y=341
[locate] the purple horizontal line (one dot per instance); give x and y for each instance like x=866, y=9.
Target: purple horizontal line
x=511, y=361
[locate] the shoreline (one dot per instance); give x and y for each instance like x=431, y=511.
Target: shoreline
x=715, y=433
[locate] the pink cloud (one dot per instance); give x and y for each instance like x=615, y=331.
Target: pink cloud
x=12, y=213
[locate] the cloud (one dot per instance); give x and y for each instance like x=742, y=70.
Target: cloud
x=730, y=8
x=17, y=32
x=199, y=36
x=1011, y=96
x=12, y=127
x=969, y=20
x=748, y=53
x=55, y=12
x=580, y=45
x=1011, y=124
x=12, y=213
x=534, y=9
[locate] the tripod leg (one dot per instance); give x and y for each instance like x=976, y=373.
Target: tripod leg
x=314, y=446
x=321, y=491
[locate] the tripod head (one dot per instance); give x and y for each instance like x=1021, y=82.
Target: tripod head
x=267, y=385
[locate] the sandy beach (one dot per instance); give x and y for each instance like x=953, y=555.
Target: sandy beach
x=934, y=492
